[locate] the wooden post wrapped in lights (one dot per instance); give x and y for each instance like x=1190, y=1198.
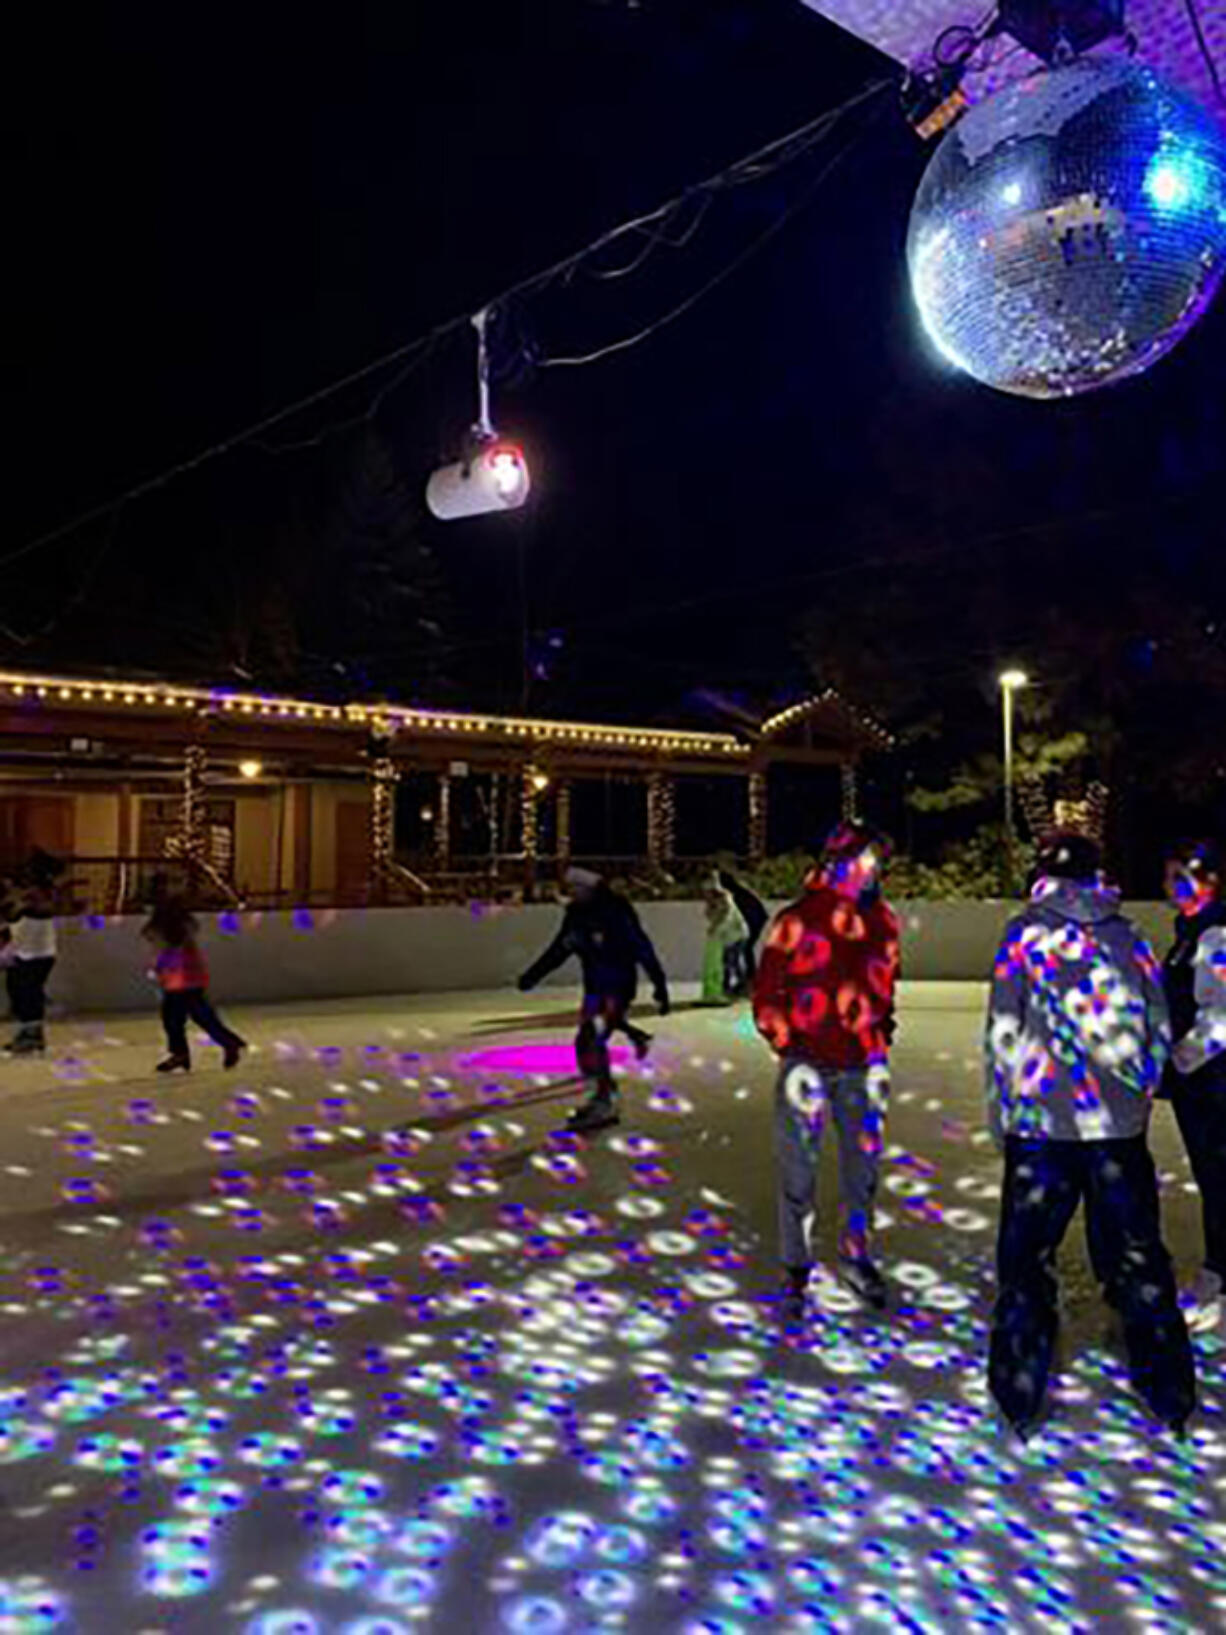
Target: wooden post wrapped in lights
x=562, y=820
x=850, y=792
x=383, y=779
x=661, y=820
x=757, y=815
x=533, y=784
x=189, y=843
x=442, y=824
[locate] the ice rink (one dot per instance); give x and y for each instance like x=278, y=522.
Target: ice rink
x=351, y=1340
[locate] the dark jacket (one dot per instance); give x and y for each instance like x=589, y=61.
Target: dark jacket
x=753, y=910
x=607, y=938
x=1194, y=976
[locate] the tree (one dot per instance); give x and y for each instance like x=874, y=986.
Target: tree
x=376, y=610
x=1130, y=686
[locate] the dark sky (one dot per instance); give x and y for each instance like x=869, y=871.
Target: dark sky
x=211, y=213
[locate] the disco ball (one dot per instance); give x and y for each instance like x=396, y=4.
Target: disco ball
x=1070, y=229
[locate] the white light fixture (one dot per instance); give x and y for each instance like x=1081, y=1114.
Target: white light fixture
x=250, y=769
x=493, y=476
x=1011, y=680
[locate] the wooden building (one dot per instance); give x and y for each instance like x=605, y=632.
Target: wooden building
x=284, y=801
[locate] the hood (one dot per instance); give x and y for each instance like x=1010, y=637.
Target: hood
x=1056, y=900
x=817, y=884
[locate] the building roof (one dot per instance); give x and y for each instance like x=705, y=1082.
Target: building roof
x=157, y=714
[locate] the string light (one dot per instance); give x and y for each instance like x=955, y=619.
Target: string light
x=757, y=815
x=660, y=740
x=661, y=819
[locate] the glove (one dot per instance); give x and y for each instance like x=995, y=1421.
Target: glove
x=662, y=1002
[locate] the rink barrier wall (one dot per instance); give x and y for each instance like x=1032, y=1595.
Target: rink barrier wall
x=266, y=958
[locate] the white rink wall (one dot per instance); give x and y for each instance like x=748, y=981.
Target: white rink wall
x=347, y=953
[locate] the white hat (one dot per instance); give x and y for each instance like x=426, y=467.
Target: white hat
x=585, y=879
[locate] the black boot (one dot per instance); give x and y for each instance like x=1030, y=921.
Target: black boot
x=792, y=1296
x=861, y=1276
x=599, y=1112
x=174, y=1063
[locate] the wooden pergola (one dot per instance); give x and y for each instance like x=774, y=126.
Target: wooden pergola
x=128, y=735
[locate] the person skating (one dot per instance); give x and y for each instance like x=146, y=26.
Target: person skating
x=602, y=930
x=726, y=930
x=182, y=974
x=741, y=958
x=32, y=947
x=1194, y=976
x=1077, y=1038
x=823, y=1000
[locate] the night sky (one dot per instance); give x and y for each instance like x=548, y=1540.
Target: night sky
x=212, y=214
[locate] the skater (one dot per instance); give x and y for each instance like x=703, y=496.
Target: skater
x=824, y=1002
x=1194, y=976
x=741, y=958
x=31, y=943
x=602, y=929
x=182, y=974
x=1077, y=1038
x=726, y=930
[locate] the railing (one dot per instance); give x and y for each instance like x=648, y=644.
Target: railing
x=125, y=885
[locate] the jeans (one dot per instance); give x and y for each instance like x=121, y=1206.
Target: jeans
x=1043, y=1184
x=1200, y=1110
x=178, y=1005
x=27, y=982
x=804, y=1097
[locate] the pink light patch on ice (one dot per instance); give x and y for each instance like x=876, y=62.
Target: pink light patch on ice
x=553, y=1061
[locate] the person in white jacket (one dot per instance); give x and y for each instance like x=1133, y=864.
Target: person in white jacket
x=31, y=952
x=726, y=928
x=1194, y=976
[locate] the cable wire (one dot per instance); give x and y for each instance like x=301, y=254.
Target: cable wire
x=763, y=161
x=738, y=261
x=1194, y=17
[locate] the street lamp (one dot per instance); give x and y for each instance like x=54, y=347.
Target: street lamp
x=1010, y=682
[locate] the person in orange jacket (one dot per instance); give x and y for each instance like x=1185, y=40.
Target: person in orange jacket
x=823, y=1000
x=182, y=973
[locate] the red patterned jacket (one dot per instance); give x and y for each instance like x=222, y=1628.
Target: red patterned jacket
x=825, y=984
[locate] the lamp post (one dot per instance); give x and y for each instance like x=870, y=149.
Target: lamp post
x=1010, y=682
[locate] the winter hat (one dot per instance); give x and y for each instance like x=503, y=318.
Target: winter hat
x=582, y=879
x=847, y=839
x=1069, y=854
x=1201, y=858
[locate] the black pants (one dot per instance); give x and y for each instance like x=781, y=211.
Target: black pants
x=1044, y=1182
x=27, y=985
x=740, y=967
x=1200, y=1109
x=178, y=1006
x=602, y=1016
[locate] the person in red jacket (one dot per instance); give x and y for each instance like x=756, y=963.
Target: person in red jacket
x=183, y=976
x=824, y=1002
